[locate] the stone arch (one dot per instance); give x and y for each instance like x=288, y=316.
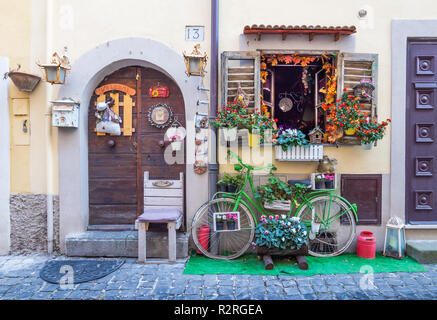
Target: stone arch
x=86, y=73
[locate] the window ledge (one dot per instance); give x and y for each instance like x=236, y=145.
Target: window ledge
x=421, y=226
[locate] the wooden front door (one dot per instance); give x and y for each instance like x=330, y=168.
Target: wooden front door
x=117, y=163
x=421, y=147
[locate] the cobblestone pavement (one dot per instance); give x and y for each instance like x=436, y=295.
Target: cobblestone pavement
x=19, y=279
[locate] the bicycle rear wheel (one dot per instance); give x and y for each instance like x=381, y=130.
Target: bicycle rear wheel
x=222, y=244
x=331, y=225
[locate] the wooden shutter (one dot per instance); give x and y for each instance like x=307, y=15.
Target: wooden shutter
x=356, y=66
x=241, y=67
x=352, y=67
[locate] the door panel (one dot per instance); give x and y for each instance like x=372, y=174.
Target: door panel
x=365, y=191
x=420, y=132
x=116, y=173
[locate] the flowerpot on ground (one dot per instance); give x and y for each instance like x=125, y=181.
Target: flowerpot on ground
x=368, y=146
x=176, y=145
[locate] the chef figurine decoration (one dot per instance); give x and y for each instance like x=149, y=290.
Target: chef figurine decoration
x=107, y=120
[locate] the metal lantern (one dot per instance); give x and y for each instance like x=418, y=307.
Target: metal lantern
x=394, y=245
x=55, y=72
x=195, y=62
x=364, y=89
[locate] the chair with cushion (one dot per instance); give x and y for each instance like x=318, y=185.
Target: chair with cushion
x=163, y=203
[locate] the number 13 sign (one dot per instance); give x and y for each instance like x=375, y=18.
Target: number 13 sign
x=194, y=33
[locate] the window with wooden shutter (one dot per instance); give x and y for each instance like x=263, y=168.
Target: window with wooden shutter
x=241, y=68
x=353, y=67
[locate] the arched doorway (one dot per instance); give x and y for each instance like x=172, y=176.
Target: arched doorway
x=116, y=164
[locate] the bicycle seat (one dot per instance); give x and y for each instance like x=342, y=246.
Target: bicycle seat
x=304, y=182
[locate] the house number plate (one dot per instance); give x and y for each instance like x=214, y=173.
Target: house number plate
x=194, y=33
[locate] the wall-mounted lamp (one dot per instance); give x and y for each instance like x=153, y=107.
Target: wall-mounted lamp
x=195, y=62
x=56, y=71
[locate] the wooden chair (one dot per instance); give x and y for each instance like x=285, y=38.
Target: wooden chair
x=163, y=203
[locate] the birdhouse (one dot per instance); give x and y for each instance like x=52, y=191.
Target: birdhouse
x=316, y=135
x=363, y=90
x=394, y=245
x=195, y=62
x=55, y=72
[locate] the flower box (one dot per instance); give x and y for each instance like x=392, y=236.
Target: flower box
x=280, y=205
x=225, y=226
x=309, y=153
x=313, y=182
x=303, y=251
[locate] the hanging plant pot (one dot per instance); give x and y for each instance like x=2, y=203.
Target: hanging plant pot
x=176, y=145
x=24, y=81
x=350, y=131
x=368, y=146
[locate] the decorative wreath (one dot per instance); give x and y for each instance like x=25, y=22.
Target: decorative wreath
x=160, y=115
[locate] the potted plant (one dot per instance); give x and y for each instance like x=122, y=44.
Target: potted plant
x=231, y=219
x=280, y=235
x=219, y=221
x=329, y=180
x=176, y=142
x=229, y=118
x=276, y=194
x=262, y=129
x=319, y=180
x=371, y=131
x=345, y=114
x=222, y=183
x=235, y=182
x=291, y=138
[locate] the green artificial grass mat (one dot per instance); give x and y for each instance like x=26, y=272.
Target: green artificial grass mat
x=345, y=263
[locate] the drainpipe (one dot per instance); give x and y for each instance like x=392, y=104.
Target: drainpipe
x=49, y=162
x=213, y=165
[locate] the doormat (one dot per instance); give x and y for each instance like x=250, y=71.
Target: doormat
x=346, y=263
x=80, y=270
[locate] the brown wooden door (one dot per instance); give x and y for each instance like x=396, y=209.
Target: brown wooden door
x=421, y=147
x=365, y=191
x=116, y=172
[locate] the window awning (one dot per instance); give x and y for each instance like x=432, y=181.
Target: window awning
x=310, y=30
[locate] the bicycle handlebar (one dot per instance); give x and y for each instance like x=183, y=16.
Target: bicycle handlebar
x=249, y=167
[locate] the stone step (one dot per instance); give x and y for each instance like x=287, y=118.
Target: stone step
x=122, y=244
x=424, y=251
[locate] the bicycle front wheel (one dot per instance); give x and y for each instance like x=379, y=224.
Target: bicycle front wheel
x=223, y=243
x=331, y=225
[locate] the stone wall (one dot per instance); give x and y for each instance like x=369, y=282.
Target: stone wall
x=29, y=223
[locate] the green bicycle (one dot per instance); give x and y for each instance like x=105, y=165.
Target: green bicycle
x=329, y=218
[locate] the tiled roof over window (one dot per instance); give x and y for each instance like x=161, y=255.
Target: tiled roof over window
x=303, y=29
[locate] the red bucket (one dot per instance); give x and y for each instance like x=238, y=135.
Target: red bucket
x=366, y=245
x=203, y=237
